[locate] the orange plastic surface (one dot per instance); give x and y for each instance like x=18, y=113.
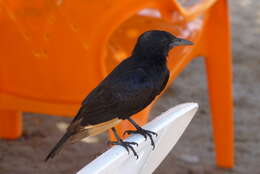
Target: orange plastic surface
x=54, y=52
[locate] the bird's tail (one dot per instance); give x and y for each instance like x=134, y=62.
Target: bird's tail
x=58, y=146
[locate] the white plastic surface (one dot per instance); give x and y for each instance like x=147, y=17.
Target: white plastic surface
x=169, y=126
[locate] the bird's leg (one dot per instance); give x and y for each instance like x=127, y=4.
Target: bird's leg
x=126, y=145
x=141, y=131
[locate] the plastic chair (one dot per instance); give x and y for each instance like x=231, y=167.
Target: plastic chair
x=169, y=126
x=54, y=52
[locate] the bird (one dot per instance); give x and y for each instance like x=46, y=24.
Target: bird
x=131, y=86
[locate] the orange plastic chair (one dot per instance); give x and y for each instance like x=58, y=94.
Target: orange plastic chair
x=54, y=52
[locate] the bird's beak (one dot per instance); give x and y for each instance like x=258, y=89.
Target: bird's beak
x=179, y=42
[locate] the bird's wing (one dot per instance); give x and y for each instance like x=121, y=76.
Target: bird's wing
x=118, y=96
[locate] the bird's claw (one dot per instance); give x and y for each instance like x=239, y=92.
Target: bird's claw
x=144, y=133
x=126, y=145
x=129, y=132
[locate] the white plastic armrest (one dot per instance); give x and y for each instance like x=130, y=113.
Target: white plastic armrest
x=169, y=126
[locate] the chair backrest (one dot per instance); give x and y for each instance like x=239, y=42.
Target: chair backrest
x=54, y=48
x=169, y=126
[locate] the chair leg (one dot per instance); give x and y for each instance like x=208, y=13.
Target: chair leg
x=10, y=124
x=219, y=71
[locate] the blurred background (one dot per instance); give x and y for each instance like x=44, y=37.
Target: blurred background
x=194, y=153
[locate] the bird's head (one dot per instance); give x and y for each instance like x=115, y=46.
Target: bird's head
x=157, y=43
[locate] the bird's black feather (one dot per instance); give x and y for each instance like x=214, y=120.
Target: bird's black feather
x=58, y=146
x=127, y=90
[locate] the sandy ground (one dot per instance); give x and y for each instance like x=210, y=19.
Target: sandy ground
x=194, y=153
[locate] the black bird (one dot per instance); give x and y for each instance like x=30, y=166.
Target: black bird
x=128, y=89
